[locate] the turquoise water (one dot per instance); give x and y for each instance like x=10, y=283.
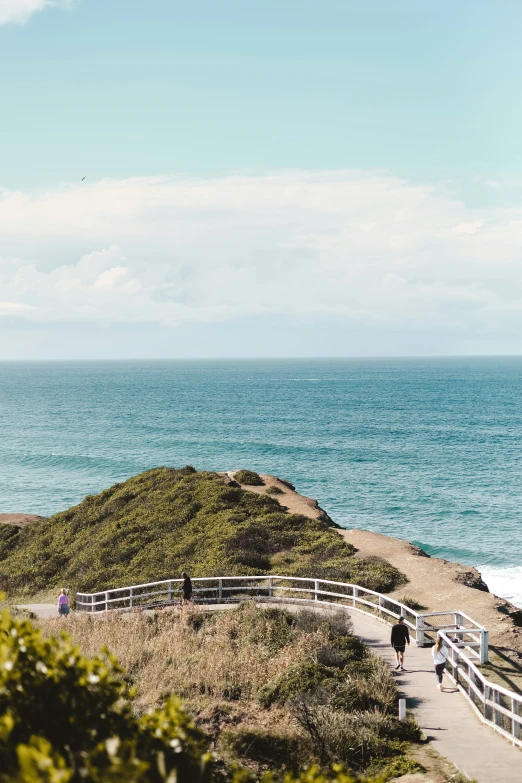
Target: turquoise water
x=424, y=449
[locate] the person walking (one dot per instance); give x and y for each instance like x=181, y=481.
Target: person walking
x=63, y=603
x=186, y=587
x=400, y=636
x=440, y=655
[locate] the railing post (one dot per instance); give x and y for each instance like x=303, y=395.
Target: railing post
x=419, y=630
x=402, y=709
x=170, y=592
x=458, y=619
x=455, y=663
x=515, y=724
x=355, y=595
x=106, y=600
x=131, y=596
x=484, y=646
x=316, y=589
x=497, y=716
x=270, y=586
x=220, y=590
x=381, y=601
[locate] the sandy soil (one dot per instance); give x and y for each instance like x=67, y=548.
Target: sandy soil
x=441, y=584
x=18, y=519
x=291, y=500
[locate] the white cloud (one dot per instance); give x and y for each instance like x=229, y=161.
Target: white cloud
x=19, y=11
x=366, y=248
x=15, y=308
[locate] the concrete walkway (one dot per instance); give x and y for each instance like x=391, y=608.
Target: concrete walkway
x=41, y=610
x=445, y=717
x=447, y=720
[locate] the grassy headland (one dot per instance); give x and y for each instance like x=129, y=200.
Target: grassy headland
x=164, y=520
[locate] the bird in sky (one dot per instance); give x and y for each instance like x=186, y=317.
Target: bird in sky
x=83, y=178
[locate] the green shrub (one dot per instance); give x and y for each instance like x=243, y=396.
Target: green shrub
x=411, y=603
x=271, y=628
x=353, y=738
x=273, y=490
x=303, y=678
x=342, y=650
x=249, y=478
x=276, y=751
x=397, y=767
x=336, y=623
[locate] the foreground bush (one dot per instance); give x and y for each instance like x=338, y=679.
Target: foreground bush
x=65, y=718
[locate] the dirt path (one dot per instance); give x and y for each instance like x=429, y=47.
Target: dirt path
x=291, y=500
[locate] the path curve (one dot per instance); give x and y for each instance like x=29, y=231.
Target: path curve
x=446, y=719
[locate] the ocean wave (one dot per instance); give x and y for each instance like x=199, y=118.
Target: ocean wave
x=506, y=582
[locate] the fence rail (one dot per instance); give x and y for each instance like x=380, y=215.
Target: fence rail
x=466, y=639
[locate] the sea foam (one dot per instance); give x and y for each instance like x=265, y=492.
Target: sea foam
x=506, y=582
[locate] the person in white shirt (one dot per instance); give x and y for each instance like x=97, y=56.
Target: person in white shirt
x=440, y=654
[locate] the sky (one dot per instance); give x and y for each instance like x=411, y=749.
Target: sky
x=262, y=178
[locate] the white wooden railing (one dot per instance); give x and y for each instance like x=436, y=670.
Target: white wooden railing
x=466, y=639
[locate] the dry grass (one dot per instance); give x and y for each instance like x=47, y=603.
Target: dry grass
x=216, y=661
x=323, y=684
x=227, y=655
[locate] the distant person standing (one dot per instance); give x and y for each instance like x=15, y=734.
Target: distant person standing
x=440, y=655
x=63, y=603
x=400, y=636
x=186, y=587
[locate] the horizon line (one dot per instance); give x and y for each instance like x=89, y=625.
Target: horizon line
x=263, y=358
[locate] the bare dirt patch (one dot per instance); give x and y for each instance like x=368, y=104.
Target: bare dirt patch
x=21, y=520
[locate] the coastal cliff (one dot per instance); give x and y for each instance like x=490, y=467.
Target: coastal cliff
x=434, y=583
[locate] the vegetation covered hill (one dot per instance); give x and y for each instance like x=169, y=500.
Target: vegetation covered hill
x=162, y=521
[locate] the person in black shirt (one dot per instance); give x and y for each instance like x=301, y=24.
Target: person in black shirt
x=399, y=637
x=186, y=588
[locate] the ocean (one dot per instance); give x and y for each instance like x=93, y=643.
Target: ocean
x=428, y=450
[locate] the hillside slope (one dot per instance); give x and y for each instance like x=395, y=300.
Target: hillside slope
x=153, y=525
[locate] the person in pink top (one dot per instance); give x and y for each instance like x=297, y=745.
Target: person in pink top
x=63, y=603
